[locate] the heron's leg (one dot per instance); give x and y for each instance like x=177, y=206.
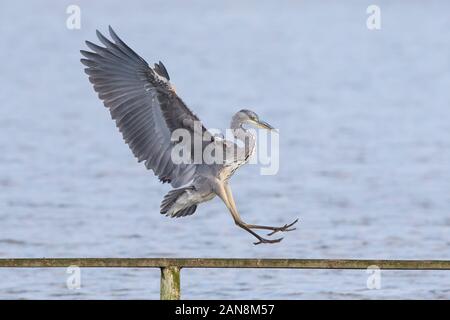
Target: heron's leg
x=229, y=202
x=285, y=228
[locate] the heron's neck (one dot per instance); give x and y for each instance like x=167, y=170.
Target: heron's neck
x=238, y=130
x=235, y=123
x=242, y=134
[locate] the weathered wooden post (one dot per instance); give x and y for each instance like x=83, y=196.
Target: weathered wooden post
x=170, y=283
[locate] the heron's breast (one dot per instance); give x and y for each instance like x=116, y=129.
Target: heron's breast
x=231, y=168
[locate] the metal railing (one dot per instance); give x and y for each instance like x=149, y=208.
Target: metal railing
x=170, y=268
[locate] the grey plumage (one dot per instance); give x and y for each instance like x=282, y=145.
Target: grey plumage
x=171, y=198
x=147, y=110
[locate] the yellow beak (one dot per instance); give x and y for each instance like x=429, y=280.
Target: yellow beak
x=264, y=125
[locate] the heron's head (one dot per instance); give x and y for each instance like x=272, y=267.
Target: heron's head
x=250, y=117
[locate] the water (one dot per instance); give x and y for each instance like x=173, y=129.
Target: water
x=364, y=122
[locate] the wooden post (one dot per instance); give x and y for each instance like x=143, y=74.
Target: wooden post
x=170, y=283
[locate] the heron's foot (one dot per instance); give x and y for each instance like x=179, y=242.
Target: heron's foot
x=263, y=240
x=285, y=228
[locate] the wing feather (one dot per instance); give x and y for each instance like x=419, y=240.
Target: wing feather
x=143, y=104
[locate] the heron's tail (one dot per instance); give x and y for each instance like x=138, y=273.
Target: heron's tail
x=176, y=203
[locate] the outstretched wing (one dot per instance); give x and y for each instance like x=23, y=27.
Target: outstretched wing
x=143, y=104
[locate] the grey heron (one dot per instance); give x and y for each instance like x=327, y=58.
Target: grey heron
x=147, y=111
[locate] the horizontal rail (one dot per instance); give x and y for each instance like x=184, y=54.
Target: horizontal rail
x=170, y=268
x=225, y=263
